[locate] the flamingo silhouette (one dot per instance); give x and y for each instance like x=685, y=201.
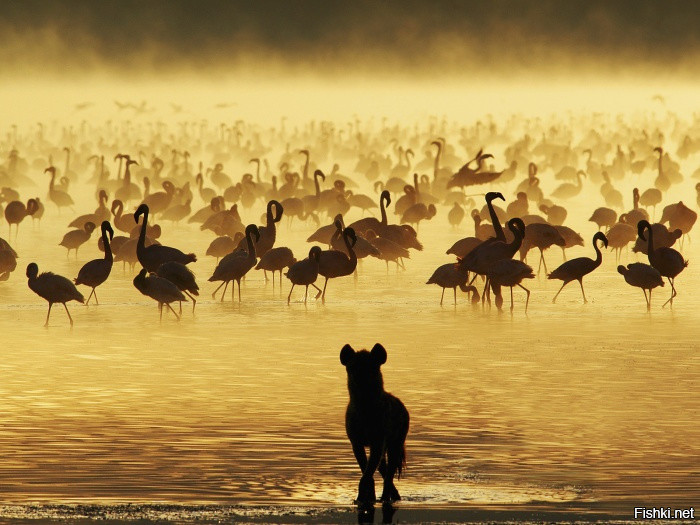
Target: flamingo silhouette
x=160, y=289
x=642, y=276
x=54, y=288
x=667, y=261
x=95, y=272
x=577, y=269
x=305, y=272
x=151, y=257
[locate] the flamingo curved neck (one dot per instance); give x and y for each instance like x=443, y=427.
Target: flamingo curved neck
x=142, y=234
x=108, y=248
x=650, y=241
x=251, y=246
x=500, y=235
x=351, y=251
x=517, y=238
x=436, y=161
x=598, y=254
x=383, y=210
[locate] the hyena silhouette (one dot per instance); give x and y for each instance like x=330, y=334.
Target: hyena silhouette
x=374, y=419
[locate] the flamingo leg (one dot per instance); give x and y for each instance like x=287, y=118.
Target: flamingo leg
x=160, y=309
x=194, y=301
x=486, y=293
x=89, y=296
x=290, y=293
x=180, y=303
x=455, y=293
x=94, y=292
x=306, y=293
x=647, y=300
x=323, y=294
x=527, y=301
x=442, y=296
x=580, y=281
x=673, y=293
x=511, y=298
x=69, y=317
x=173, y=311
x=560, y=289
x=213, y=296
x=544, y=263
x=319, y=290
x=48, y=314
x=239, y=291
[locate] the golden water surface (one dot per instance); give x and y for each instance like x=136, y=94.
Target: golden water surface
x=570, y=406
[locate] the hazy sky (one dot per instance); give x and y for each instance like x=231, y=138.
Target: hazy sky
x=408, y=37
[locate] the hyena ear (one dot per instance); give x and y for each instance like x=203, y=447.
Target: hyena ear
x=379, y=353
x=346, y=354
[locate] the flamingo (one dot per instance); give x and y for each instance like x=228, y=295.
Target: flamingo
x=568, y=190
x=159, y=289
x=577, y=269
x=102, y=213
x=305, y=272
x=151, y=257
x=182, y=277
x=371, y=223
x=456, y=215
x=276, y=260
x=452, y=276
x=60, y=198
x=667, y=261
x=16, y=211
x=122, y=222
x=334, y=263
x=541, y=236
x=268, y=233
x=484, y=256
x=642, y=276
x=235, y=265
x=509, y=272
x=54, y=288
x=95, y=272
x=74, y=239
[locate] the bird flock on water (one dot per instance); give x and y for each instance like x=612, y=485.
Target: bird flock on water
x=142, y=173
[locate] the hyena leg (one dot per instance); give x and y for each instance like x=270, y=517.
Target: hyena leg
x=366, y=493
x=395, y=458
x=360, y=455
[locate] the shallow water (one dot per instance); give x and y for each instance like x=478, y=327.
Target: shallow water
x=570, y=406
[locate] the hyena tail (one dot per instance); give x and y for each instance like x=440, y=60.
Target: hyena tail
x=402, y=460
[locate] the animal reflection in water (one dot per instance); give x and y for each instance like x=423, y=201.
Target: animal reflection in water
x=374, y=419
